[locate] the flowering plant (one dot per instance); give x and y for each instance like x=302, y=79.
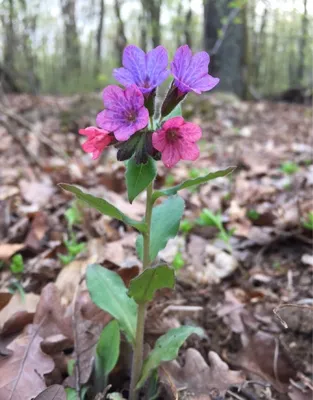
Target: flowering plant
x=143, y=135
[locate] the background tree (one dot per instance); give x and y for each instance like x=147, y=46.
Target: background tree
x=71, y=38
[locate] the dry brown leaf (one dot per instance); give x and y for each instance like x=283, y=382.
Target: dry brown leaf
x=5, y=298
x=232, y=309
x=264, y=356
x=7, y=250
x=69, y=278
x=200, y=379
x=50, y=314
x=37, y=193
x=54, y=392
x=300, y=392
x=18, y=313
x=22, y=374
x=38, y=229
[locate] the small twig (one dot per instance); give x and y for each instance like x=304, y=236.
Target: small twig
x=42, y=138
x=276, y=309
x=25, y=357
x=29, y=155
x=232, y=15
x=77, y=363
x=275, y=361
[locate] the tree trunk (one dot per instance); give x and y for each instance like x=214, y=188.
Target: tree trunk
x=9, y=48
x=120, y=39
x=72, y=46
x=99, y=37
x=153, y=9
x=187, y=30
x=303, y=40
x=227, y=60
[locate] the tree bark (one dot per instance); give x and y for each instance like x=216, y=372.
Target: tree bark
x=153, y=10
x=227, y=60
x=303, y=40
x=120, y=39
x=99, y=37
x=72, y=46
x=9, y=48
x=187, y=30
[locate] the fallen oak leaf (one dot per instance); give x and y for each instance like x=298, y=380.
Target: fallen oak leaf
x=263, y=355
x=5, y=298
x=200, y=379
x=54, y=392
x=22, y=372
x=7, y=250
x=18, y=313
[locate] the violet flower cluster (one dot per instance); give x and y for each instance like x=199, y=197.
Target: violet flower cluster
x=128, y=118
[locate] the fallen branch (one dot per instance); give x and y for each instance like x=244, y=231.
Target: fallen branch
x=42, y=138
x=276, y=309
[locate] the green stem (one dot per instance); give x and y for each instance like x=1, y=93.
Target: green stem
x=138, y=348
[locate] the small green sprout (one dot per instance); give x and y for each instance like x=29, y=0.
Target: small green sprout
x=73, y=249
x=308, y=222
x=185, y=226
x=253, y=214
x=178, y=261
x=207, y=218
x=169, y=180
x=289, y=167
x=73, y=215
x=17, y=264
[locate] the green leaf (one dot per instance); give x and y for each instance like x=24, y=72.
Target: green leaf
x=164, y=225
x=103, y=206
x=192, y=182
x=143, y=287
x=139, y=176
x=177, y=112
x=108, y=347
x=166, y=349
x=17, y=264
x=108, y=292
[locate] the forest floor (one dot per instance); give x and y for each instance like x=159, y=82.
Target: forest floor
x=252, y=295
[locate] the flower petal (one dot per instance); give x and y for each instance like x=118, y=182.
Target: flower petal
x=188, y=150
x=134, y=59
x=181, y=61
x=191, y=132
x=114, y=99
x=109, y=120
x=159, y=139
x=123, y=76
x=198, y=67
x=206, y=83
x=134, y=97
x=170, y=155
x=173, y=123
x=142, y=119
x=157, y=62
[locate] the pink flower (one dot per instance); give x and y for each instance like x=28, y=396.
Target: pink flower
x=97, y=140
x=176, y=141
x=124, y=112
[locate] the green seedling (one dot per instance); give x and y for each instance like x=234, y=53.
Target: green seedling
x=253, y=215
x=17, y=264
x=289, y=167
x=308, y=222
x=207, y=218
x=186, y=226
x=73, y=216
x=169, y=180
x=178, y=261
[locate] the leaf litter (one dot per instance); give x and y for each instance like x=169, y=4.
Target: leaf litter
x=231, y=289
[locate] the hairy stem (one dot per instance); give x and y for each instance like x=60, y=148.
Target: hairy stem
x=138, y=349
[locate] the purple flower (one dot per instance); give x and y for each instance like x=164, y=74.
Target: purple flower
x=191, y=71
x=147, y=71
x=124, y=112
